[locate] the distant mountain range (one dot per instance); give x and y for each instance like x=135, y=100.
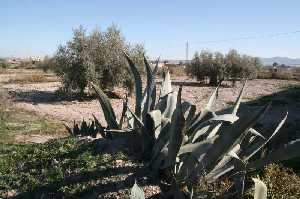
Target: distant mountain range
x=281, y=60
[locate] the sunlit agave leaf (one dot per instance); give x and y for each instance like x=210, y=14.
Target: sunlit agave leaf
x=255, y=132
x=170, y=101
x=203, y=145
x=166, y=87
x=153, y=123
x=239, y=99
x=163, y=137
x=214, y=131
x=260, y=189
x=200, y=132
x=177, y=131
x=212, y=99
x=226, y=118
x=136, y=192
x=136, y=118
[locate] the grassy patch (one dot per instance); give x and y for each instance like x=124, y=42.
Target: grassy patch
x=59, y=168
x=15, y=121
x=23, y=122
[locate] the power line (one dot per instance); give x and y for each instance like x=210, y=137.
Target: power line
x=251, y=37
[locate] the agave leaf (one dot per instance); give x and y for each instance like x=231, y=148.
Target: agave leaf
x=69, y=129
x=239, y=99
x=260, y=189
x=191, y=114
x=119, y=131
x=162, y=138
x=149, y=97
x=214, y=131
x=99, y=127
x=177, y=131
x=166, y=86
x=286, y=152
x=256, y=133
x=167, y=104
x=200, y=122
x=129, y=119
x=148, y=70
x=207, y=111
x=200, y=132
x=230, y=135
x=125, y=102
x=192, y=161
x=226, y=118
x=198, y=146
x=189, y=110
x=178, y=194
x=137, y=119
x=155, y=70
x=108, y=111
x=239, y=177
x=157, y=162
x=138, y=86
x=257, y=146
x=233, y=155
x=153, y=123
x=212, y=99
x=136, y=192
x=220, y=168
x=219, y=172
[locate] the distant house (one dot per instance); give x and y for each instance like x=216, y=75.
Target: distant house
x=14, y=60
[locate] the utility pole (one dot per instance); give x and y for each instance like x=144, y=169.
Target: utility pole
x=187, y=52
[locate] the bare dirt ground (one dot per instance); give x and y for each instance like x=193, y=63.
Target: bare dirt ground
x=41, y=98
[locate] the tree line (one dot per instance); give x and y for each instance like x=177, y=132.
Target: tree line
x=214, y=67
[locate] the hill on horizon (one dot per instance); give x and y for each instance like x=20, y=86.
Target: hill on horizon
x=281, y=60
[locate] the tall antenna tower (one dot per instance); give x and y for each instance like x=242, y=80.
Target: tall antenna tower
x=187, y=52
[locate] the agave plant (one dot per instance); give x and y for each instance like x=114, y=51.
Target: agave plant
x=87, y=129
x=182, y=144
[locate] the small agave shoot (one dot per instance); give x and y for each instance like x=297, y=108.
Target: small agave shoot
x=87, y=129
x=181, y=144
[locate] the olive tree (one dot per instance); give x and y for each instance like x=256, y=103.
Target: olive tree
x=213, y=68
x=98, y=58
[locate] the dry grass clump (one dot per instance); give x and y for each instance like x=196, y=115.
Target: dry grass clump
x=31, y=78
x=279, y=74
x=177, y=70
x=211, y=190
x=281, y=182
x=3, y=103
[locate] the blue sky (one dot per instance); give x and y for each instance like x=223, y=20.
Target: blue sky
x=33, y=27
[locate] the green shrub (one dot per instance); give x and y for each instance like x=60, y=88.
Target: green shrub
x=97, y=57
